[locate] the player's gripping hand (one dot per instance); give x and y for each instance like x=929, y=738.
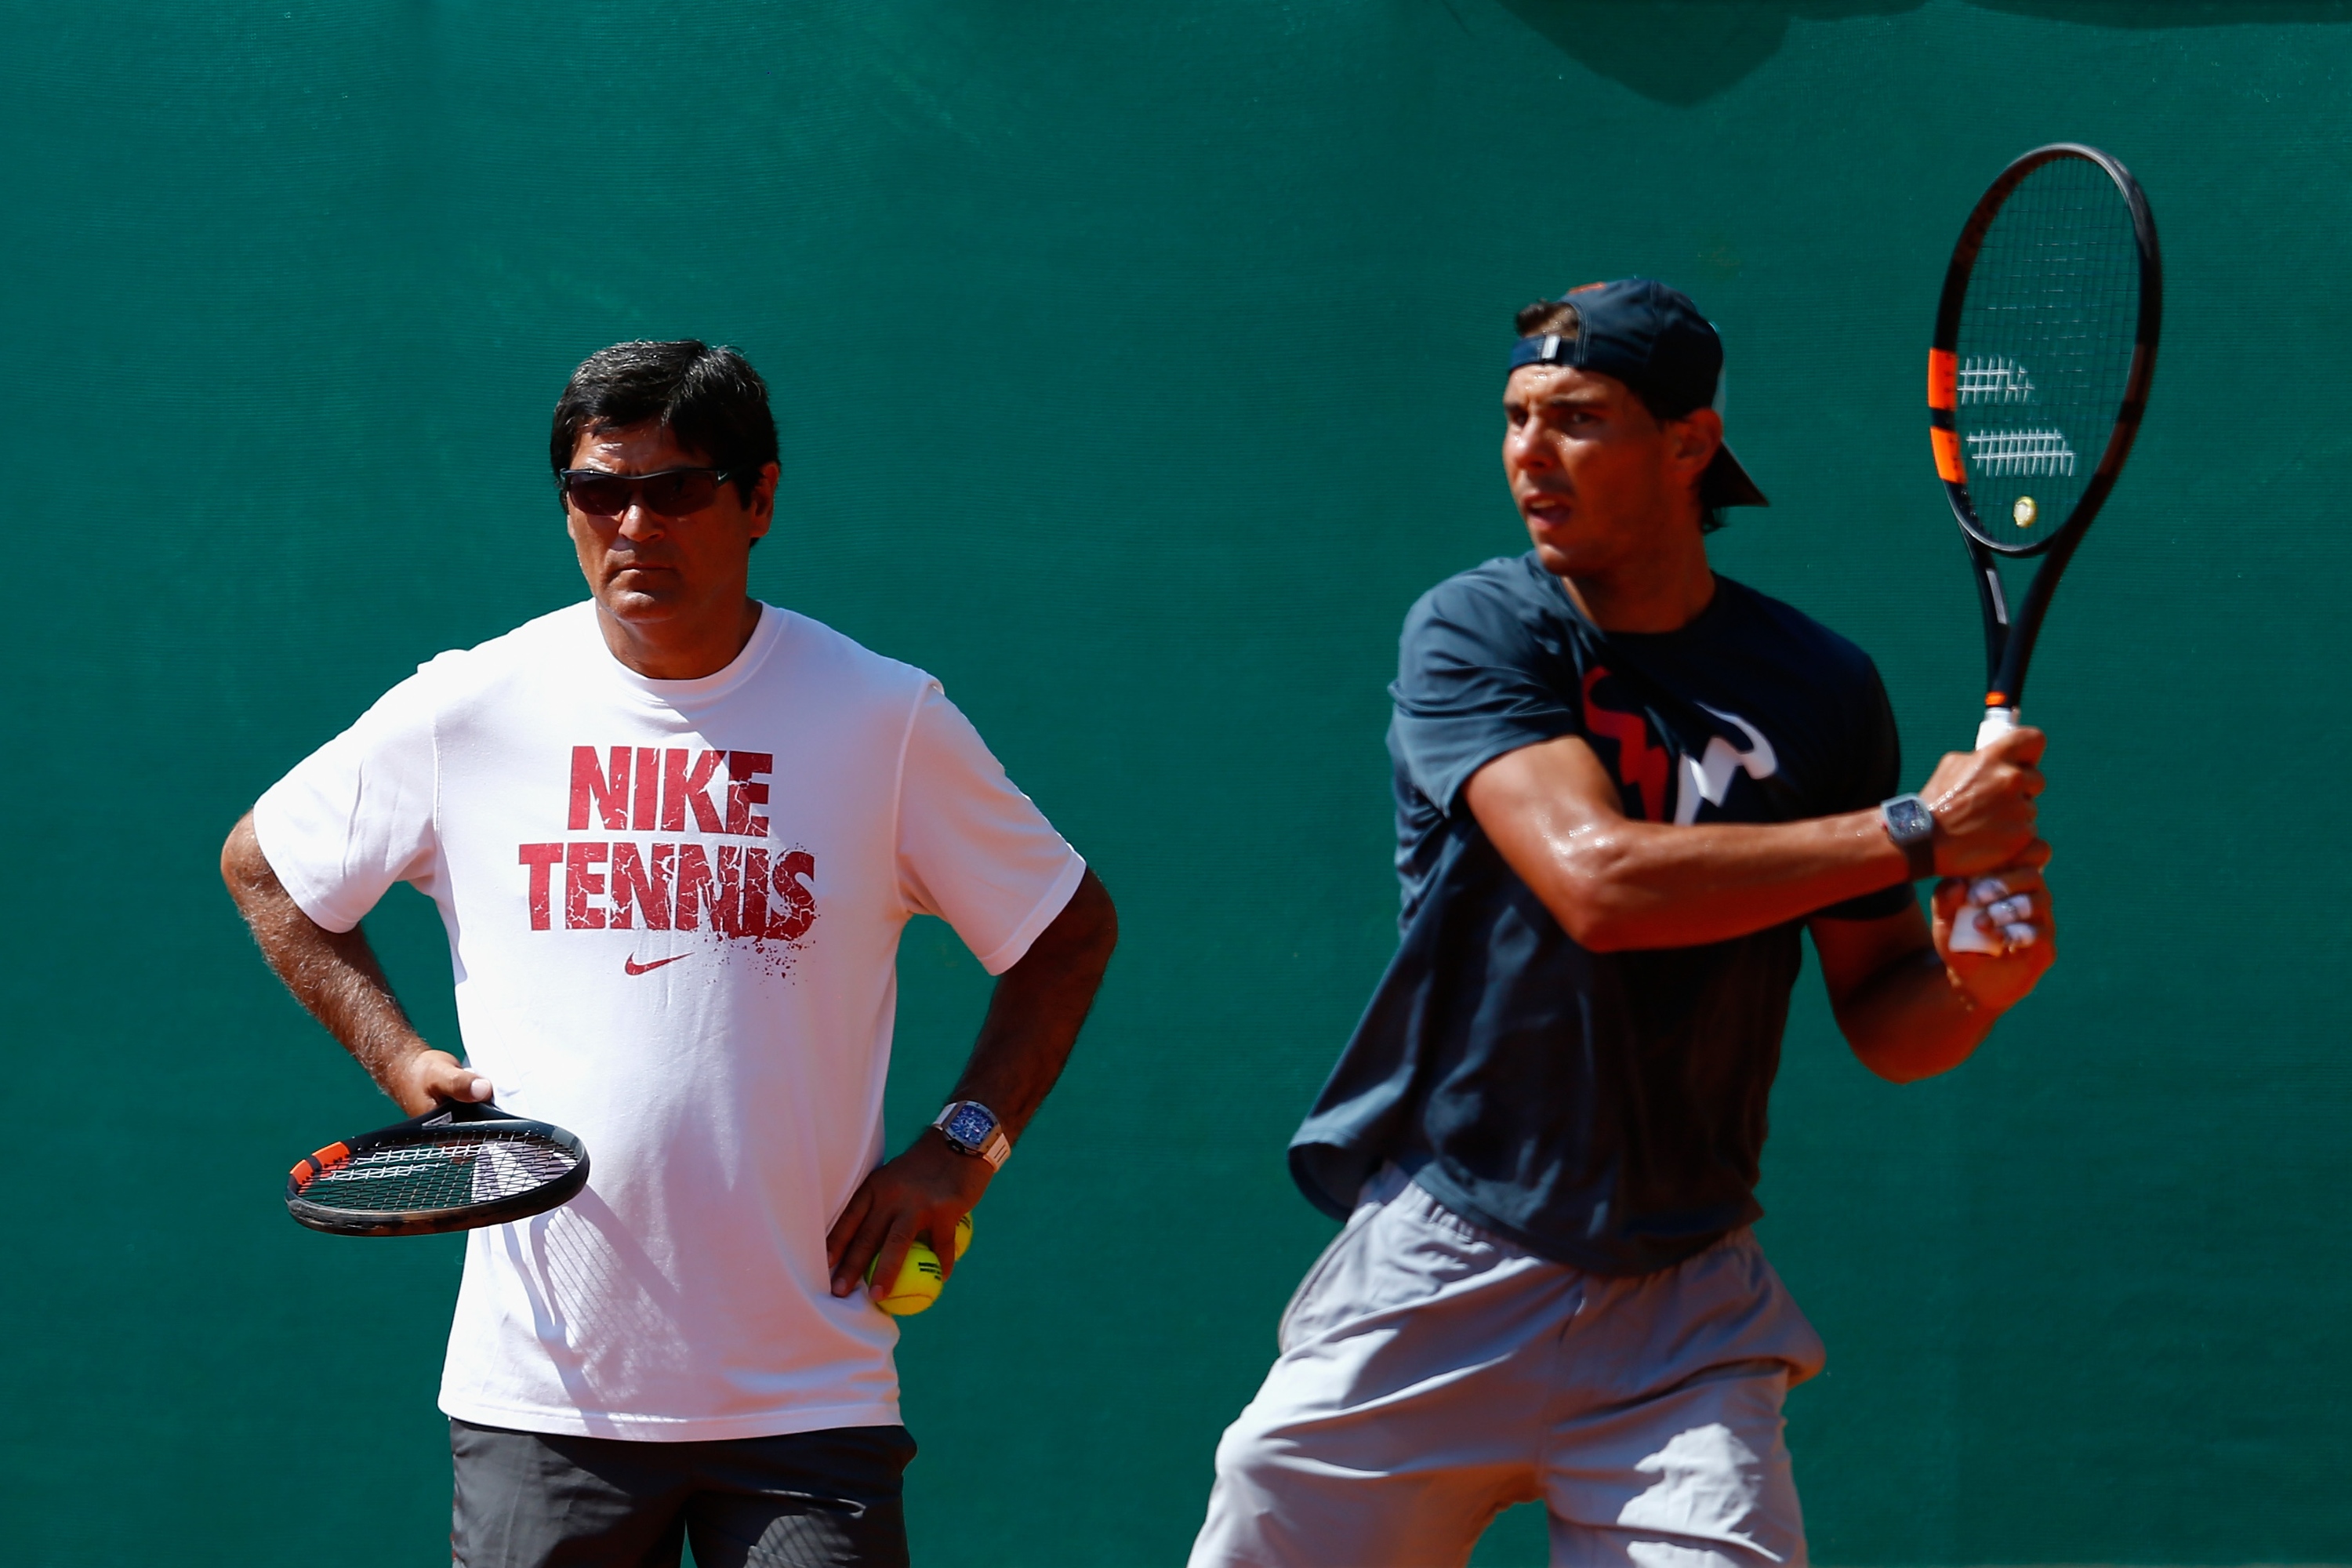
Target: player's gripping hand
x=922, y=1193
x=1983, y=802
x=428, y=1076
x=2015, y=902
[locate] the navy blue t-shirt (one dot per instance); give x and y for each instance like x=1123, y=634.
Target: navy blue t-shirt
x=1604, y=1110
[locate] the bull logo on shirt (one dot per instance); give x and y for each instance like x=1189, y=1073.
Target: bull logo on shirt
x=1644, y=770
x=753, y=892
x=1708, y=777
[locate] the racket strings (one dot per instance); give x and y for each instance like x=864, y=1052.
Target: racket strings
x=449, y=1172
x=2047, y=331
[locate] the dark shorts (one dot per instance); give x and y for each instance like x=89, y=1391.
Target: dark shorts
x=806, y=1500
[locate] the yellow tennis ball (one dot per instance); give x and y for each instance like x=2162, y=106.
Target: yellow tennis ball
x=917, y=1287
x=918, y=1282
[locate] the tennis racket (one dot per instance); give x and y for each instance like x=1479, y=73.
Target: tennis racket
x=456, y=1167
x=2037, y=378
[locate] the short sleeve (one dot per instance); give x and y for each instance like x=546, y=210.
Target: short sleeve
x=972, y=849
x=1875, y=771
x=1471, y=686
x=356, y=815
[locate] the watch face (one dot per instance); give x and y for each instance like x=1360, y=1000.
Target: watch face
x=1910, y=819
x=970, y=1126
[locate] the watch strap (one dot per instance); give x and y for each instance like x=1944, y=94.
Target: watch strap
x=1921, y=853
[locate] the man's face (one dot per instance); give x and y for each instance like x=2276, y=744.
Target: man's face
x=645, y=567
x=1598, y=480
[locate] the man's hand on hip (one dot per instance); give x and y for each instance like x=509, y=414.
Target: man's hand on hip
x=918, y=1195
x=1033, y=1016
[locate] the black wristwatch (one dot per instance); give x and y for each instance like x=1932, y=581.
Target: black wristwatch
x=970, y=1128
x=1913, y=827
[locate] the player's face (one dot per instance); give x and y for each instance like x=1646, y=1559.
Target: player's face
x=645, y=567
x=1599, y=482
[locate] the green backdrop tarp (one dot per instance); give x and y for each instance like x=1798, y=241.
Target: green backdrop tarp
x=1136, y=367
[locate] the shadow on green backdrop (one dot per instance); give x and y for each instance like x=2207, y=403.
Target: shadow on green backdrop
x=1685, y=51
x=1136, y=367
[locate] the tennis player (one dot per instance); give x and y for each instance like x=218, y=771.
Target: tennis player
x=675, y=834
x=1624, y=786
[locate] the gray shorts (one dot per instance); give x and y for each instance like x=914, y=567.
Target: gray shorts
x=1433, y=1375
x=806, y=1500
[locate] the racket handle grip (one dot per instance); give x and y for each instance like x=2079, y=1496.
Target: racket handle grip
x=1972, y=933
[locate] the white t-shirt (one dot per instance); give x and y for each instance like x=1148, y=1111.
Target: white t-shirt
x=674, y=910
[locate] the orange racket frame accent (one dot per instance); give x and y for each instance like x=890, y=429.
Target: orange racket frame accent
x=311, y=1164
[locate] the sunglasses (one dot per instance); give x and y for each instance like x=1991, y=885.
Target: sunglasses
x=672, y=493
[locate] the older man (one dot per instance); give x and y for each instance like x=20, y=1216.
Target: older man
x=675, y=833
x=1626, y=786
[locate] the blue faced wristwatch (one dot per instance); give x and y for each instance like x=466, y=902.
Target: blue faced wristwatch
x=1912, y=826
x=970, y=1128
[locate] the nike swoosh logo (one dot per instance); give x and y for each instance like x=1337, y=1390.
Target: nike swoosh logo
x=634, y=967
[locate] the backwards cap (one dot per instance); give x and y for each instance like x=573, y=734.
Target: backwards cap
x=1652, y=338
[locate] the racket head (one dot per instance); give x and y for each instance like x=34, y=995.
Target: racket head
x=456, y=1167
x=2044, y=348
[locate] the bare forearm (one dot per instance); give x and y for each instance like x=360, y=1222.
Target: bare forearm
x=1038, y=1007
x=1914, y=1020
x=1613, y=883
x=334, y=974
x=1032, y=1021
x=1625, y=884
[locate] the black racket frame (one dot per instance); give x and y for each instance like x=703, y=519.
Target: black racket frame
x=2009, y=642
x=448, y=1123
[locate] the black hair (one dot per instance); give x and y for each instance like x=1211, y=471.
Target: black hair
x=1557, y=318
x=1548, y=319
x=708, y=399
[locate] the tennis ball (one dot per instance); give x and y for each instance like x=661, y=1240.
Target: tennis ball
x=918, y=1281
x=917, y=1287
